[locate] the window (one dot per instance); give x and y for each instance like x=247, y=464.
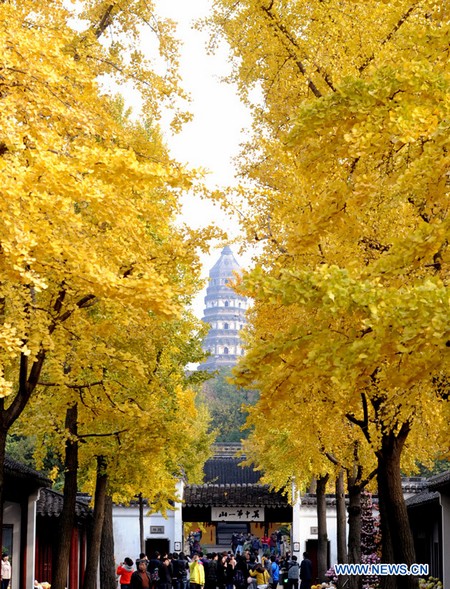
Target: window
x=225, y=325
x=8, y=540
x=225, y=350
x=227, y=304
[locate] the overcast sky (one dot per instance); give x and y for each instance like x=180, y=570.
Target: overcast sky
x=212, y=139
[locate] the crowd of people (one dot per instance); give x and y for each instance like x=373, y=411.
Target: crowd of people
x=266, y=545
x=249, y=569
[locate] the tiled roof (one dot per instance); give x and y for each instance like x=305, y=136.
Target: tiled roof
x=422, y=498
x=50, y=504
x=226, y=470
x=226, y=449
x=17, y=470
x=439, y=481
x=414, y=484
x=310, y=499
x=431, y=490
x=233, y=495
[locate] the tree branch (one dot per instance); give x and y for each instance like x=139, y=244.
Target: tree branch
x=84, y=302
x=94, y=435
x=286, y=34
x=104, y=22
x=402, y=20
x=70, y=386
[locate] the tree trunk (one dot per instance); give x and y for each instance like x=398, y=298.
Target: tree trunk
x=341, y=519
x=141, y=524
x=107, y=564
x=322, y=547
x=67, y=519
x=398, y=544
x=341, y=524
x=28, y=379
x=354, y=530
x=90, y=577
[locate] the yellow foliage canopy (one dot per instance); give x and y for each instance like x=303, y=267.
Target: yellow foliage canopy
x=94, y=274
x=87, y=201
x=349, y=196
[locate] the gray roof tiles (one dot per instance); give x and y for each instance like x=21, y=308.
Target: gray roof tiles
x=233, y=495
x=226, y=469
x=50, y=504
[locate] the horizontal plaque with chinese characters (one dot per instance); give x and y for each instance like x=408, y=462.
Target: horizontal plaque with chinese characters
x=156, y=529
x=237, y=514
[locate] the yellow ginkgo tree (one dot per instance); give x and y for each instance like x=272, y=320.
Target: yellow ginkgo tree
x=88, y=199
x=346, y=181
x=123, y=417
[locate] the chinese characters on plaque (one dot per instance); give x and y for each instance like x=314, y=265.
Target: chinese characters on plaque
x=237, y=514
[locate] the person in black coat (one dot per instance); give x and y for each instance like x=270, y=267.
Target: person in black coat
x=211, y=571
x=179, y=567
x=305, y=572
x=165, y=574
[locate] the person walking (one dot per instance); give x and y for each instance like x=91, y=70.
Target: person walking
x=256, y=546
x=305, y=572
x=240, y=544
x=125, y=570
x=265, y=544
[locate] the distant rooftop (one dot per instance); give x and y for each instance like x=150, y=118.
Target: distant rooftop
x=233, y=495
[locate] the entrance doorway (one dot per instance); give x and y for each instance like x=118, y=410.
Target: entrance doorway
x=153, y=545
x=225, y=530
x=312, y=547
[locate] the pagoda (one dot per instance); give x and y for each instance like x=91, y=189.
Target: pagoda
x=225, y=312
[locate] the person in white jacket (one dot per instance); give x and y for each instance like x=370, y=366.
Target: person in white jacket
x=6, y=572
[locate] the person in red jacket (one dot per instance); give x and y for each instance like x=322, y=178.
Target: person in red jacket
x=125, y=570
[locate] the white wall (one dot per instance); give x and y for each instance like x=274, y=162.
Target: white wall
x=308, y=519
x=126, y=530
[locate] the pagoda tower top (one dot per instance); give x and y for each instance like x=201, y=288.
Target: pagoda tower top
x=225, y=312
